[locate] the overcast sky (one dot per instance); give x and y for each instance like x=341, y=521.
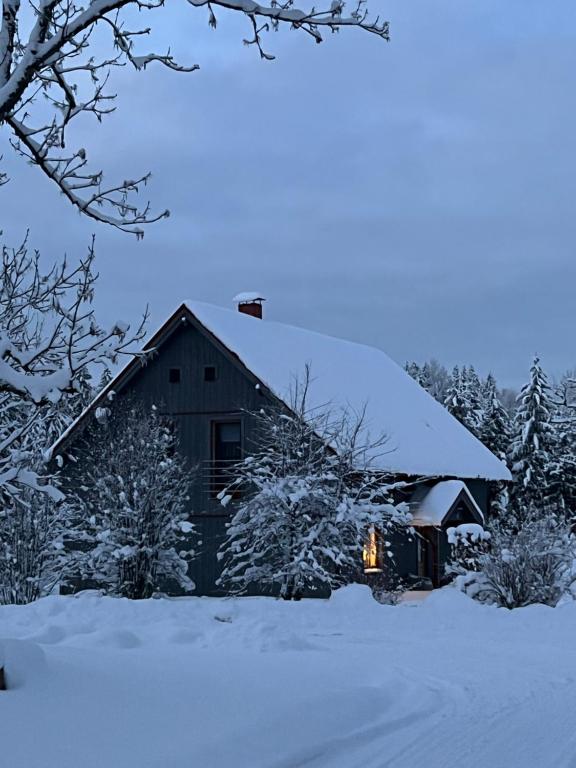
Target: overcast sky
x=418, y=195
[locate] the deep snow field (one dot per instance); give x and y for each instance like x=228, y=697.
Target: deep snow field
x=259, y=683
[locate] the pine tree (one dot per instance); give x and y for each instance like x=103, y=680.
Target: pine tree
x=494, y=428
x=472, y=399
x=455, y=401
x=530, y=452
x=105, y=379
x=413, y=369
x=562, y=473
x=494, y=432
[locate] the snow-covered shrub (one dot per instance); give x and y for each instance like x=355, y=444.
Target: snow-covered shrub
x=468, y=542
x=130, y=505
x=33, y=557
x=532, y=565
x=387, y=587
x=307, y=502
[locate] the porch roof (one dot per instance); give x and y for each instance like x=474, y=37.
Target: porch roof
x=431, y=506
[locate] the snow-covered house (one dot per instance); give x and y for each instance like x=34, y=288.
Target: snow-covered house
x=213, y=366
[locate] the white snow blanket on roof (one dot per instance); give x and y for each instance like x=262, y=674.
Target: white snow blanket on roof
x=438, y=501
x=423, y=438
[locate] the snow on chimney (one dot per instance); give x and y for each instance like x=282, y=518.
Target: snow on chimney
x=250, y=303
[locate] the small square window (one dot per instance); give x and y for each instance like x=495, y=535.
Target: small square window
x=209, y=373
x=174, y=375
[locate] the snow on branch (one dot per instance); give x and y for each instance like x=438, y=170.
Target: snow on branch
x=49, y=340
x=51, y=73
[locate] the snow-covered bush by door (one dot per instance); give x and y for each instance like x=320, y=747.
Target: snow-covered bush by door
x=531, y=565
x=307, y=502
x=467, y=543
x=130, y=506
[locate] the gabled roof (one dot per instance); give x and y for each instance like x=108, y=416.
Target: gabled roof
x=423, y=438
x=431, y=506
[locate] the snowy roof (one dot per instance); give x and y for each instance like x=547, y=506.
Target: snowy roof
x=423, y=438
x=437, y=501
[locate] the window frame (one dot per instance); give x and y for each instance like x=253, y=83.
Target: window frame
x=217, y=486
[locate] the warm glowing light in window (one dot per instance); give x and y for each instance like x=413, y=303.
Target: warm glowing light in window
x=370, y=553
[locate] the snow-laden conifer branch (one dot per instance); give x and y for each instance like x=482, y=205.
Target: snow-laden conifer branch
x=50, y=74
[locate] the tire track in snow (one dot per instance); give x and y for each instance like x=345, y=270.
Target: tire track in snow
x=366, y=747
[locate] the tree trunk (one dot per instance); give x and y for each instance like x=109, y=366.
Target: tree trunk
x=2, y=679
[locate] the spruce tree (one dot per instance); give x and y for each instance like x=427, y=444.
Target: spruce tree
x=530, y=452
x=472, y=397
x=494, y=430
x=454, y=401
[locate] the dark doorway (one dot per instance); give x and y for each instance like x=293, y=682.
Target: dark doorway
x=428, y=567
x=226, y=451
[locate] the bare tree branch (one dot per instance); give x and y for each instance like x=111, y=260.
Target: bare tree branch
x=50, y=75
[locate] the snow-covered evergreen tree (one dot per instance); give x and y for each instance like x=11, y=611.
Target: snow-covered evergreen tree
x=310, y=497
x=494, y=427
x=105, y=379
x=414, y=370
x=432, y=376
x=494, y=432
x=562, y=476
x=561, y=491
x=472, y=395
x=131, y=505
x=532, y=441
x=455, y=400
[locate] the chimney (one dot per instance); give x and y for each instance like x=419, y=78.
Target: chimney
x=250, y=303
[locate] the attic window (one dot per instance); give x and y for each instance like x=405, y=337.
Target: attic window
x=174, y=375
x=209, y=373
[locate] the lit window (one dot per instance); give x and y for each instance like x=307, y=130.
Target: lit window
x=371, y=554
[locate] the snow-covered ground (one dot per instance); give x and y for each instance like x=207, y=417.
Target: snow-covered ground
x=259, y=683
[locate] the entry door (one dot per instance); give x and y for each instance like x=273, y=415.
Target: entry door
x=428, y=555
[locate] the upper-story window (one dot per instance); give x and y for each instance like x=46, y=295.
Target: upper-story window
x=227, y=441
x=226, y=451
x=174, y=375
x=210, y=373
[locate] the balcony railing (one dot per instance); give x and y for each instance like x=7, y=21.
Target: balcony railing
x=218, y=475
